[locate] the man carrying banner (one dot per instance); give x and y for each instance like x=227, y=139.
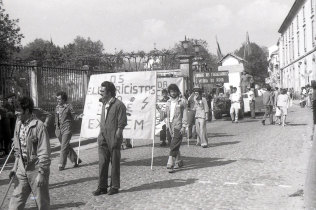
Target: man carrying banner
x=113, y=121
x=32, y=159
x=176, y=109
x=64, y=116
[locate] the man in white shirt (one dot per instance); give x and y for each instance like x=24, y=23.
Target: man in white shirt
x=252, y=102
x=235, y=105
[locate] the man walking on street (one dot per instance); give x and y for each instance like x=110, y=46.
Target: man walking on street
x=113, y=121
x=32, y=159
x=64, y=116
x=252, y=102
x=176, y=109
x=235, y=105
x=268, y=102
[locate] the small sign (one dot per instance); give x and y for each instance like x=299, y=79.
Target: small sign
x=211, y=77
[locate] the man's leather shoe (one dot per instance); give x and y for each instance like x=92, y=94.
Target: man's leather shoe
x=100, y=191
x=77, y=164
x=113, y=191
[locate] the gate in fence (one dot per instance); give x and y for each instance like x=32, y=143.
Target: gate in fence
x=42, y=83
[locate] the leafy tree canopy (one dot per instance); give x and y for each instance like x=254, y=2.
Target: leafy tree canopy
x=257, y=64
x=10, y=36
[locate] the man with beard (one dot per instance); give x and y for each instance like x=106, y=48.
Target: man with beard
x=176, y=109
x=113, y=121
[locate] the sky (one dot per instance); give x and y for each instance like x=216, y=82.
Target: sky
x=133, y=25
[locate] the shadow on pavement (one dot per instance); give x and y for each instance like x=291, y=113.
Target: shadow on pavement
x=161, y=185
x=75, y=144
x=223, y=143
x=4, y=181
x=293, y=124
x=212, y=135
x=71, y=182
x=59, y=206
x=189, y=162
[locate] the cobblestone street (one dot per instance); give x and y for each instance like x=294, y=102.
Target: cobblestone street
x=247, y=166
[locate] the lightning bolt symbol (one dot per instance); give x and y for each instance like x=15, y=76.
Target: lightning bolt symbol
x=145, y=103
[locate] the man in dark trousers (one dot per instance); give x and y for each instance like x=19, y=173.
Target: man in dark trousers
x=268, y=102
x=32, y=159
x=163, y=132
x=113, y=121
x=64, y=116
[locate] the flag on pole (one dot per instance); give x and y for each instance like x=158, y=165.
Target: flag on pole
x=247, y=47
x=219, y=52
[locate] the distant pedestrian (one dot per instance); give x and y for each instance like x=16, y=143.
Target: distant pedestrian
x=252, y=102
x=283, y=101
x=4, y=130
x=313, y=84
x=9, y=105
x=32, y=159
x=268, y=102
x=277, y=109
x=164, y=133
x=113, y=121
x=64, y=116
x=176, y=110
x=201, y=116
x=235, y=105
x=191, y=130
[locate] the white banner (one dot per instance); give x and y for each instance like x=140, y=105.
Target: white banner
x=137, y=90
x=163, y=83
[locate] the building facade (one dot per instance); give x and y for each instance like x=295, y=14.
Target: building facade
x=274, y=67
x=297, y=46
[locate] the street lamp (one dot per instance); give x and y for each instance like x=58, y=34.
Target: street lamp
x=196, y=47
x=185, y=44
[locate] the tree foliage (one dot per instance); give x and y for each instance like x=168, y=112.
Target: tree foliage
x=257, y=64
x=208, y=59
x=44, y=52
x=10, y=36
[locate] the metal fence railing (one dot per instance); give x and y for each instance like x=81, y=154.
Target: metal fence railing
x=16, y=78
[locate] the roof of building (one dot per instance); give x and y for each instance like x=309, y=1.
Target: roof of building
x=233, y=55
x=290, y=16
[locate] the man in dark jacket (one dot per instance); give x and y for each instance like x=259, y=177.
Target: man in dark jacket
x=64, y=116
x=113, y=121
x=32, y=159
x=268, y=102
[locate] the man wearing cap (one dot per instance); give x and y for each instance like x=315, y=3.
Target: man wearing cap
x=201, y=115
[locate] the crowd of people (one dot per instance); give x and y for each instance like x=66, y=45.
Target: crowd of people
x=183, y=115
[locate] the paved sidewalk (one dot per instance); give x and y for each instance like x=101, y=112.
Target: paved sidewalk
x=247, y=166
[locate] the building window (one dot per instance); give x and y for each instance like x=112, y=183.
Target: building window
x=292, y=29
x=297, y=22
x=303, y=10
x=313, y=33
x=293, y=54
x=304, y=37
x=312, y=6
x=298, y=43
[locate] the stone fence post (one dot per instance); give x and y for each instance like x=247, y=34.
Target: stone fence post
x=34, y=83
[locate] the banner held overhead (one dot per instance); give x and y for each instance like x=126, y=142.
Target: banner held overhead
x=137, y=90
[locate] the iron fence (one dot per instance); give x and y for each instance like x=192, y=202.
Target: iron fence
x=15, y=78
